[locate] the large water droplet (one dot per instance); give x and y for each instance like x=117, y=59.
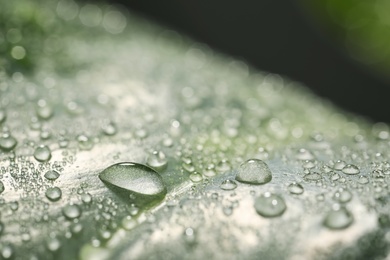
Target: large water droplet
x=135, y=178
x=42, y=153
x=53, y=194
x=351, y=169
x=338, y=218
x=254, y=171
x=270, y=205
x=71, y=211
x=295, y=188
x=7, y=142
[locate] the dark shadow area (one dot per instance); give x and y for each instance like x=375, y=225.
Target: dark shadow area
x=275, y=36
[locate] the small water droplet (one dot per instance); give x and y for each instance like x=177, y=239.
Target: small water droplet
x=313, y=176
x=304, y=155
x=270, y=205
x=134, y=177
x=53, y=244
x=109, y=129
x=86, y=198
x=53, y=194
x=128, y=223
x=351, y=169
x=7, y=142
x=71, y=211
x=338, y=218
x=228, y=185
x=254, y=171
x=339, y=165
x=44, y=110
x=342, y=195
x=196, y=177
x=295, y=188
x=189, y=236
x=335, y=176
x=85, y=143
x=223, y=166
x=157, y=161
x=52, y=175
x=209, y=171
x=42, y=153
x=363, y=180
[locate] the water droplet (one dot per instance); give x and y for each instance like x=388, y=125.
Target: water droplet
x=134, y=177
x=42, y=153
x=86, y=198
x=228, y=185
x=7, y=251
x=1, y=187
x=295, y=188
x=157, y=160
x=342, y=195
x=363, y=180
x=338, y=218
x=196, y=177
x=7, y=142
x=44, y=110
x=209, y=171
x=313, y=176
x=85, y=143
x=189, y=236
x=52, y=175
x=71, y=211
x=351, y=169
x=304, y=155
x=53, y=194
x=308, y=164
x=335, y=176
x=339, y=165
x=128, y=223
x=254, y=171
x=223, y=166
x=270, y=205
x=109, y=129
x=53, y=244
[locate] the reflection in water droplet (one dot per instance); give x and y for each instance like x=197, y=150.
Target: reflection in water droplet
x=295, y=188
x=134, y=177
x=42, y=153
x=270, y=205
x=7, y=142
x=157, y=160
x=351, y=169
x=228, y=185
x=254, y=171
x=53, y=194
x=71, y=211
x=338, y=218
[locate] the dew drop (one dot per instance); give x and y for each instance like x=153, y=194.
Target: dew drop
x=7, y=142
x=228, y=185
x=338, y=218
x=42, y=153
x=351, y=169
x=270, y=205
x=304, y=155
x=342, y=195
x=109, y=129
x=295, y=188
x=313, y=176
x=196, y=177
x=134, y=177
x=254, y=171
x=363, y=180
x=85, y=143
x=44, y=111
x=53, y=194
x=223, y=166
x=157, y=161
x=52, y=175
x=209, y=171
x=71, y=211
x=339, y=165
